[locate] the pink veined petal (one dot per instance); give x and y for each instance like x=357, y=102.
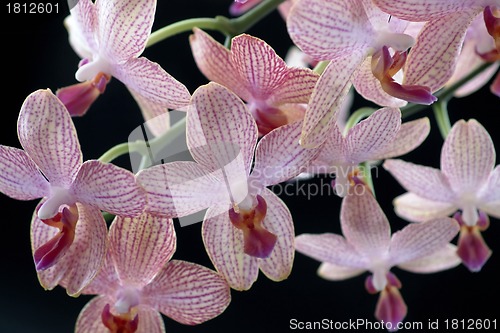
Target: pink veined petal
x=152, y=83
x=326, y=29
x=468, y=156
x=432, y=60
x=89, y=319
x=150, y=320
x=19, y=176
x=296, y=87
x=106, y=281
x=220, y=129
x=491, y=192
x=108, y=187
x=278, y=221
x=48, y=136
x=124, y=27
x=224, y=244
x=330, y=248
x=424, y=10
x=332, y=152
x=84, y=25
x=327, y=97
x=279, y=156
x=427, y=182
x=364, y=224
x=156, y=115
x=372, y=135
x=181, y=188
x=216, y=63
x=440, y=260
x=77, y=39
x=417, y=209
x=418, y=240
x=334, y=272
x=188, y=293
x=410, y=135
x=368, y=86
x=84, y=258
x=141, y=246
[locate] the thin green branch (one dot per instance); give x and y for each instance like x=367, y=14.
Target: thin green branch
x=440, y=109
x=357, y=116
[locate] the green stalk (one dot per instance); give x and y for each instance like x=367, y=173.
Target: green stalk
x=442, y=118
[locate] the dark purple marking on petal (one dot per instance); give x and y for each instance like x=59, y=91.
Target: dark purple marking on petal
x=126, y=323
x=391, y=308
x=472, y=248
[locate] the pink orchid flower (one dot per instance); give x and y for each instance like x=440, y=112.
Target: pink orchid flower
x=378, y=137
x=466, y=182
x=364, y=46
x=247, y=226
x=239, y=7
x=434, y=57
x=50, y=167
x=367, y=245
x=139, y=281
x=109, y=36
x=275, y=93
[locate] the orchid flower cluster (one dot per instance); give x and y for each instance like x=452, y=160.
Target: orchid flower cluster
x=258, y=122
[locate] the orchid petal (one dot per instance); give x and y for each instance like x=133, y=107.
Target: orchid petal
x=410, y=135
x=330, y=248
x=181, y=188
x=76, y=269
x=82, y=27
x=490, y=192
x=106, y=281
x=141, y=246
x=48, y=136
x=20, y=178
x=124, y=27
x=278, y=221
x=417, y=209
x=240, y=7
x=364, y=224
x=370, y=136
x=156, y=115
x=419, y=240
x=332, y=152
x=327, y=29
x=279, y=156
x=440, y=260
x=432, y=60
x=109, y=188
x=427, y=182
x=296, y=87
x=216, y=63
x=188, y=293
x=224, y=244
x=334, y=272
x=89, y=319
x=327, y=97
x=424, y=10
x=219, y=121
x=468, y=156
x=152, y=83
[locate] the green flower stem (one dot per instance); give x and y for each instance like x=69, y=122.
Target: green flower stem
x=144, y=148
x=228, y=27
x=357, y=116
x=320, y=67
x=440, y=109
x=366, y=171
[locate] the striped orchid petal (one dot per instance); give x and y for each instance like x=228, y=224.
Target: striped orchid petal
x=109, y=188
x=334, y=272
x=440, y=260
x=106, y=281
x=82, y=261
x=468, y=156
x=373, y=134
x=89, y=319
x=219, y=122
x=279, y=156
x=156, y=114
x=188, y=293
x=83, y=27
x=149, y=80
x=490, y=192
x=330, y=248
x=410, y=135
x=48, y=136
x=424, y=10
x=432, y=60
x=278, y=221
x=141, y=246
x=124, y=27
x=417, y=209
x=364, y=224
x=427, y=182
x=181, y=188
x=225, y=247
x=419, y=240
x=20, y=177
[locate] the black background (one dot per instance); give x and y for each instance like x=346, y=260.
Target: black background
x=36, y=55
